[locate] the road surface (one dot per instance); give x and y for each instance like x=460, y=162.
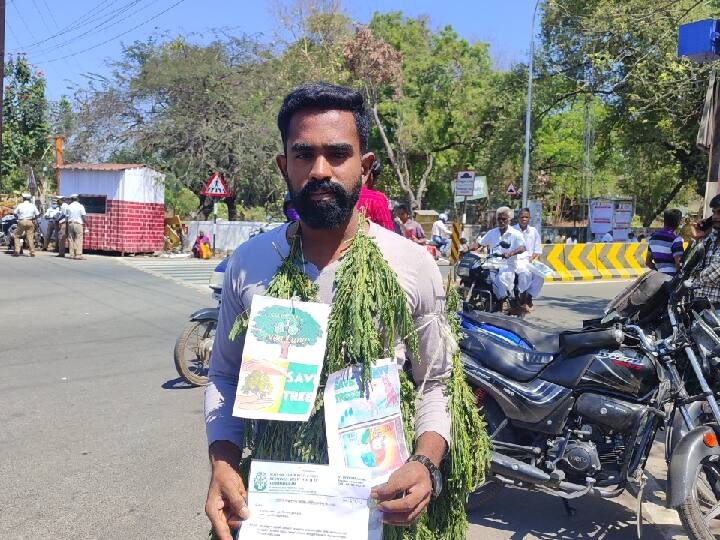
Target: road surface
x=99, y=438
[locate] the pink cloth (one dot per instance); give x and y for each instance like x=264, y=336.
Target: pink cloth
x=376, y=207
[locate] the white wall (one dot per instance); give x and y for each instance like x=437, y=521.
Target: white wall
x=229, y=234
x=134, y=185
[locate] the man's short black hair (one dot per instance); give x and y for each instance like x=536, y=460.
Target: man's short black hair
x=715, y=201
x=672, y=217
x=526, y=210
x=325, y=97
x=402, y=207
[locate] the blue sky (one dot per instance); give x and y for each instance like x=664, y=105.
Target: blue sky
x=67, y=39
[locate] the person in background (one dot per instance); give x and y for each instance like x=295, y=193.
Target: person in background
x=76, y=224
x=464, y=245
x=198, y=250
x=62, y=227
x=641, y=238
x=631, y=237
x=26, y=213
x=607, y=237
x=707, y=275
x=373, y=203
x=505, y=242
x=529, y=284
x=53, y=214
x=441, y=234
x=571, y=240
x=665, y=247
x=411, y=228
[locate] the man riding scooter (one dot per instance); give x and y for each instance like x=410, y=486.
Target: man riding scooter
x=506, y=243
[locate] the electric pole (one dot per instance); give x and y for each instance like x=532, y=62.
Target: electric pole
x=2, y=79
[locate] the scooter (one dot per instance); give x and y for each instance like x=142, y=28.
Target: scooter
x=194, y=346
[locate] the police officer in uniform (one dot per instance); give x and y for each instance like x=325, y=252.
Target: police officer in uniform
x=75, y=217
x=26, y=213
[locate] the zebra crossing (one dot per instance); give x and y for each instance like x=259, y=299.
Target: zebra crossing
x=195, y=273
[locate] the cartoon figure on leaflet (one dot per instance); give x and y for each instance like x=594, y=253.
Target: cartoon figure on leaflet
x=375, y=453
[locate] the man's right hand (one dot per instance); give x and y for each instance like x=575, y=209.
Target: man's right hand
x=226, y=504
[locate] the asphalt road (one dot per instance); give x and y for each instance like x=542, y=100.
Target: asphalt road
x=99, y=438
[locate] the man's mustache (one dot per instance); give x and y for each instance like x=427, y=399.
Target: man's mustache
x=321, y=185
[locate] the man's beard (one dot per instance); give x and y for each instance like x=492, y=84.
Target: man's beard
x=328, y=213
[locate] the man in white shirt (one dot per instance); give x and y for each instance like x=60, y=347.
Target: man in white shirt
x=508, y=243
x=441, y=234
x=607, y=237
x=75, y=215
x=529, y=284
x=26, y=213
x=53, y=215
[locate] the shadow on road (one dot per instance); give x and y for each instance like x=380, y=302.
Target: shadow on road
x=526, y=516
x=177, y=383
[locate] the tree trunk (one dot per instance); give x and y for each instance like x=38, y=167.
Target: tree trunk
x=232, y=208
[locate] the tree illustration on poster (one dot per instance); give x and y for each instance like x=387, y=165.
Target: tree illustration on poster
x=257, y=383
x=286, y=326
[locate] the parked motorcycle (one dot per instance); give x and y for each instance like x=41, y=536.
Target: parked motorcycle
x=569, y=413
x=194, y=346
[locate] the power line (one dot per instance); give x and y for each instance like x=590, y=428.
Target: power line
x=22, y=19
x=114, y=37
x=88, y=17
x=112, y=20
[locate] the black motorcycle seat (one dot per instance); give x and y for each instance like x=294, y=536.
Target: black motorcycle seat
x=516, y=363
x=542, y=340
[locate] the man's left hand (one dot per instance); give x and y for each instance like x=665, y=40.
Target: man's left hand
x=405, y=495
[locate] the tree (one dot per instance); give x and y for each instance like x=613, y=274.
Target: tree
x=623, y=52
x=423, y=89
x=25, y=129
x=257, y=383
x=286, y=326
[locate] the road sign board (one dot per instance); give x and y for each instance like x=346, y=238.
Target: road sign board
x=215, y=187
x=511, y=190
x=465, y=184
x=479, y=192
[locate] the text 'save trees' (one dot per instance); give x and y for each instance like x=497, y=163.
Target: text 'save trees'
x=286, y=326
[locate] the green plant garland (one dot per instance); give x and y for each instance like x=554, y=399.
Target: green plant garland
x=369, y=313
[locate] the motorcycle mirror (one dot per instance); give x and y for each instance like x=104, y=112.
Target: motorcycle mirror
x=504, y=244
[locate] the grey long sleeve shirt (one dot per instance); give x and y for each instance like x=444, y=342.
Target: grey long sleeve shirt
x=249, y=272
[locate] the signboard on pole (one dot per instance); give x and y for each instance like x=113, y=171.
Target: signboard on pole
x=465, y=184
x=479, y=192
x=215, y=187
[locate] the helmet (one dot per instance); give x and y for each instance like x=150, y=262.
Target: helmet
x=26, y=196
x=443, y=217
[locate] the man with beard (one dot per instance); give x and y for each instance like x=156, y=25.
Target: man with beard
x=325, y=161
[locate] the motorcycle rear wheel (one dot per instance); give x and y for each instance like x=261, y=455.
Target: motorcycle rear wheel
x=700, y=512
x=192, y=351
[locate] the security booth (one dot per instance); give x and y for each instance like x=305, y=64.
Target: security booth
x=125, y=205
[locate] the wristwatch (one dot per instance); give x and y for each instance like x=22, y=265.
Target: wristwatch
x=435, y=474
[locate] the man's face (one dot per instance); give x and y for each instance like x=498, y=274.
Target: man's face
x=524, y=219
x=716, y=218
x=323, y=166
x=403, y=215
x=503, y=220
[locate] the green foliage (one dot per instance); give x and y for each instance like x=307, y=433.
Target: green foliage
x=25, y=128
x=180, y=200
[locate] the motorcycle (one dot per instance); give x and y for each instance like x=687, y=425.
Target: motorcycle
x=476, y=274
x=570, y=413
x=8, y=226
x=194, y=346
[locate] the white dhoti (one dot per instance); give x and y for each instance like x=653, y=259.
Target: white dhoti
x=503, y=280
x=528, y=282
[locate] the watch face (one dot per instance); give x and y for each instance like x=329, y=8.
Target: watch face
x=437, y=482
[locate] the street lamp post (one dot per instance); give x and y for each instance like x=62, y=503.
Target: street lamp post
x=528, y=110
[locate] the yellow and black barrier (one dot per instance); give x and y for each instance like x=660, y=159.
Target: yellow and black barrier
x=455, y=243
x=586, y=262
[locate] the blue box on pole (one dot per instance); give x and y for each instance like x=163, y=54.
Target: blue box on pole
x=700, y=41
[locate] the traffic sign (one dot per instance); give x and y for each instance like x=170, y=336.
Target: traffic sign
x=215, y=187
x=465, y=184
x=511, y=190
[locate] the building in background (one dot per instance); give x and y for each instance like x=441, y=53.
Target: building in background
x=125, y=205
